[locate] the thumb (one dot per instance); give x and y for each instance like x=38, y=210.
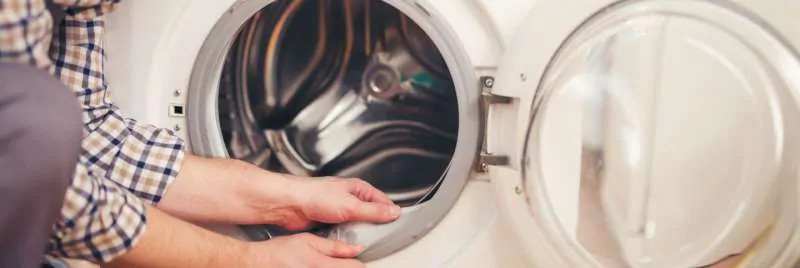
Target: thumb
x=373, y=212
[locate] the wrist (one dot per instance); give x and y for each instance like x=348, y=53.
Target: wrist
x=271, y=195
x=244, y=256
x=254, y=254
x=225, y=251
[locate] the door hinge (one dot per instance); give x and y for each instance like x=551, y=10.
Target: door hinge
x=487, y=82
x=486, y=159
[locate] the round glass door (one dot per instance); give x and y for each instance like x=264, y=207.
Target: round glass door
x=664, y=134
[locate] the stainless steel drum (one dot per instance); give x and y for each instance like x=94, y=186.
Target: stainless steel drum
x=340, y=88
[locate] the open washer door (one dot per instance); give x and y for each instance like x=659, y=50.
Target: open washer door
x=649, y=133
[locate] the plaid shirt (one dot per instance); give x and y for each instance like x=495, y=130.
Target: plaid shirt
x=123, y=164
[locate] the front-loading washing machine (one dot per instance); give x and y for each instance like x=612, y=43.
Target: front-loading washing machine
x=570, y=133
x=395, y=101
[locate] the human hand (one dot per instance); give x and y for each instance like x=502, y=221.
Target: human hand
x=302, y=250
x=330, y=200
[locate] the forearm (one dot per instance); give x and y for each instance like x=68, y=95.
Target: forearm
x=170, y=242
x=223, y=191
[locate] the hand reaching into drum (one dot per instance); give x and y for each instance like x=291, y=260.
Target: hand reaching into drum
x=329, y=200
x=236, y=192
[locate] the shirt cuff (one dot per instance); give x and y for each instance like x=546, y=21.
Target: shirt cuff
x=99, y=221
x=140, y=158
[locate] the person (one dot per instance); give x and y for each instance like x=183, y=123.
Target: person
x=134, y=194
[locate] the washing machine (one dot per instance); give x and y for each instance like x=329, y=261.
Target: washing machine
x=514, y=133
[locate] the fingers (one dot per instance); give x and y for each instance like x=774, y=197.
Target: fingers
x=296, y=225
x=332, y=248
x=307, y=250
x=371, y=212
x=342, y=263
x=366, y=192
x=370, y=204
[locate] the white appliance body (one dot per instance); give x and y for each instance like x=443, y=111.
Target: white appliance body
x=152, y=47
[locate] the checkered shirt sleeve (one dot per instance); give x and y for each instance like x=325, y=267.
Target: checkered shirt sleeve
x=24, y=28
x=141, y=158
x=123, y=164
x=100, y=220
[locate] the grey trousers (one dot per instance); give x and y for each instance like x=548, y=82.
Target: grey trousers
x=40, y=135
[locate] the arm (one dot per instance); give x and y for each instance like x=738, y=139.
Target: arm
x=147, y=161
x=140, y=158
x=223, y=191
x=101, y=219
x=98, y=220
x=169, y=241
x=232, y=191
x=114, y=147
x=24, y=39
x=102, y=223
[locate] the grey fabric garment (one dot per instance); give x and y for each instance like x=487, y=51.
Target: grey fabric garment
x=40, y=135
x=56, y=11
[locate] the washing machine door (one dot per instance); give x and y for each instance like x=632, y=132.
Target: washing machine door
x=650, y=133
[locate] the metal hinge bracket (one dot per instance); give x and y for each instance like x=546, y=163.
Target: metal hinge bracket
x=486, y=159
x=487, y=82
